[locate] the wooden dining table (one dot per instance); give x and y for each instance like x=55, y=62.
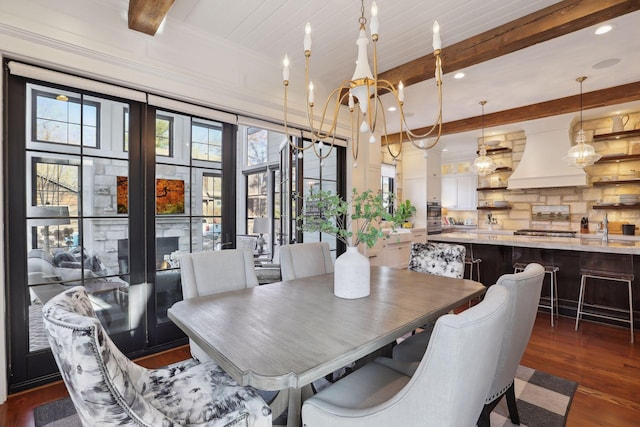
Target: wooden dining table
x=285, y=335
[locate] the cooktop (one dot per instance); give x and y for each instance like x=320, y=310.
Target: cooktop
x=550, y=233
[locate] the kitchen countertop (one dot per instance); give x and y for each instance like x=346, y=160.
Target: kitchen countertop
x=582, y=242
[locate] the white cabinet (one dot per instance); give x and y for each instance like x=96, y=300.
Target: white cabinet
x=459, y=192
x=433, y=176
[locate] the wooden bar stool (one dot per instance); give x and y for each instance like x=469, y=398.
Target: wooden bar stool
x=617, y=268
x=521, y=257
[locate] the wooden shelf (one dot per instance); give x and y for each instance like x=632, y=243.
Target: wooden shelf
x=493, y=208
x=617, y=182
x=616, y=135
x=499, y=150
x=617, y=206
x=491, y=188
x=622, y=158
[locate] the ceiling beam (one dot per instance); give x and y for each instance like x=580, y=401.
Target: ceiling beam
x=554, y=21
x=599, y=98
x=147, y=15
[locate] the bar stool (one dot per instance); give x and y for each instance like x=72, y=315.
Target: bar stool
x=521, y=257
x=471, y=261
x=605, y=266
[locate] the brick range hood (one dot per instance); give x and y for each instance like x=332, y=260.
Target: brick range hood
x=542, y=164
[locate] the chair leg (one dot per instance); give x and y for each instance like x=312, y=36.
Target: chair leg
x=485, y=417
x=580, y=300
x=511, y=404
x=552, y=299
x=631, y=312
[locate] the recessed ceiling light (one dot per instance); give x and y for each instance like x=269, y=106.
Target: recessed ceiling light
x=603, y=29
x=458, y=75
x=606, y=63
x=391, y=109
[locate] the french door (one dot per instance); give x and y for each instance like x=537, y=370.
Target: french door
x=105, y=193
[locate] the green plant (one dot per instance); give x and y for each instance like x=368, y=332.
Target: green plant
x=328, y=213
x=405, y=211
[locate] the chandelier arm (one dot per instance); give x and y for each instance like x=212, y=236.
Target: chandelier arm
x=355, y=137
x=286, y=123
x=373, y=118
x=384, y=135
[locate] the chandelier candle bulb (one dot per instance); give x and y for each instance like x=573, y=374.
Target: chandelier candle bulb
x=285, y=69
x=307, y=38
x=401, y=92
x=311, y=96
x=375, y=25
x=437, y=43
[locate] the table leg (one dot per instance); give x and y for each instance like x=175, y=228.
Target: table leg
x=294, y=416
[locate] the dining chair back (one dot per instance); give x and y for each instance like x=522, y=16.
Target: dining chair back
x=109, y=389
x=305, y=259
x=447, y=388
x=212, y=272
x=524, y=289
x=442, y=259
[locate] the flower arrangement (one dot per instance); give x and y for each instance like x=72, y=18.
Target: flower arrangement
x=327, y=212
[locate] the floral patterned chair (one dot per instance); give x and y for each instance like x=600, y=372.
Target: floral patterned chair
x=442, y=259
x=108, y=389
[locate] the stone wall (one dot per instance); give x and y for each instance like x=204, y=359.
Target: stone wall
x=580, y=199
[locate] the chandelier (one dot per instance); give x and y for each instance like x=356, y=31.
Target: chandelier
x=483, y=164
x=365, y=89
x=581, y=154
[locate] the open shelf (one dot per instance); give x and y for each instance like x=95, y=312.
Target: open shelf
x=616, y=206
x=621, y=158
x=499, y=150
x=491, y=188
x=617, y=182
x=616, y=135
x=493, y=208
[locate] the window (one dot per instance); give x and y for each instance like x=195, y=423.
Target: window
x=257, y=148
x=206, y=141
x=164, y=136
x=125, y=122
x=257, y=195
x=65, y=120
x=388, y=180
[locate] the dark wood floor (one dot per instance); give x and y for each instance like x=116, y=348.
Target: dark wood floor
x=599, y=357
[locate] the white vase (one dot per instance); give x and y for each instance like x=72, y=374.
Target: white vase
x=352, y=275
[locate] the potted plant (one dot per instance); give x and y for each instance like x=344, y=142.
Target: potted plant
x=405, y=211
x=328, y=213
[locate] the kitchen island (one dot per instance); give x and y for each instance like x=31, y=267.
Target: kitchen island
x=496, y=250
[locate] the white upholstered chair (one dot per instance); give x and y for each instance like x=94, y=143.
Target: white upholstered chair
x=524, y=289
x=212, y=272
x=305, y=259
x=447, y=388
x=108, y=389
x=442, y=259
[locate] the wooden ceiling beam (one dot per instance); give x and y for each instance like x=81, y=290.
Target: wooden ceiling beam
x=554, y=21
x=147, y=15
x=599, y=98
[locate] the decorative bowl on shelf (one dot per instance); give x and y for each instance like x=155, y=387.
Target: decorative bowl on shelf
x=500, y=204
x=493, y=143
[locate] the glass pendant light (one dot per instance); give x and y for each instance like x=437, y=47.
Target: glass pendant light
x=483, y=164
x=581, y=154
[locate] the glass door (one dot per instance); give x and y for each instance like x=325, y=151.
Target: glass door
x=69, y=159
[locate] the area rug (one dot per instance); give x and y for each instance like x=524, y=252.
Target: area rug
x=543, y=401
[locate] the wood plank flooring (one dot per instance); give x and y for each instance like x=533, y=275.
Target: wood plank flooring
x=599, y=357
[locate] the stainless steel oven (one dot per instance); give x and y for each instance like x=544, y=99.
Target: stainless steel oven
x=434, y=218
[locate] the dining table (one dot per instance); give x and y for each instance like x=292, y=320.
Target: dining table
x=283, y=336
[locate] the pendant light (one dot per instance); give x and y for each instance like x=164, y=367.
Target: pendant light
x=483, y=164
x=581, y=154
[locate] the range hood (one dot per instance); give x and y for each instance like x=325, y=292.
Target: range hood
x=542, y=164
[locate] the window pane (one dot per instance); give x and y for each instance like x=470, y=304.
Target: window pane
x=206, y=141
x=256, y=146
x=163, y=135
x=58, y=119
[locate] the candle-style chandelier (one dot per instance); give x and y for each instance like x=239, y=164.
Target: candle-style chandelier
x=366, y=89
